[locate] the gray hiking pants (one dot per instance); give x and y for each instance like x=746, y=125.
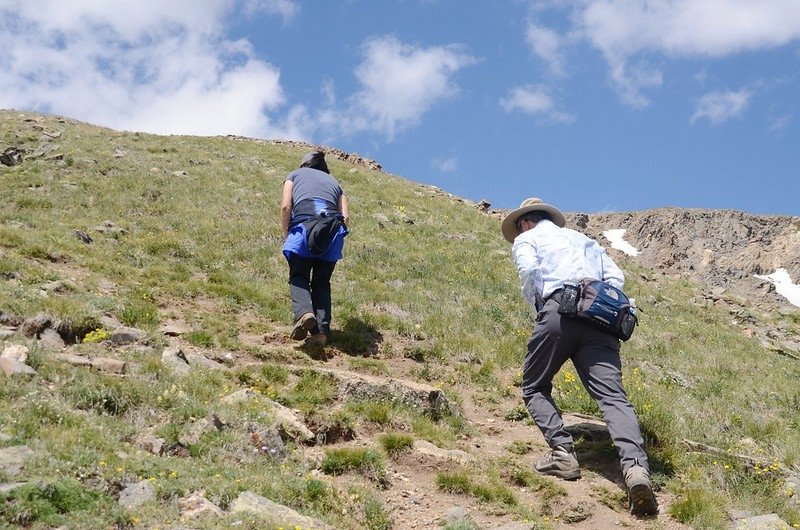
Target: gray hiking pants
x=595, y=355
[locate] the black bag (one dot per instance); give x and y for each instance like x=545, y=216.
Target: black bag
x=601, y=304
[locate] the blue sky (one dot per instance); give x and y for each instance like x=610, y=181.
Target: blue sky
x=592, y=105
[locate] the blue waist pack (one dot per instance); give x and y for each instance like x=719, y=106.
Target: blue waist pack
x=601, y=304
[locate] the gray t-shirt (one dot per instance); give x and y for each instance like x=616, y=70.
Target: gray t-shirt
x=310, y=183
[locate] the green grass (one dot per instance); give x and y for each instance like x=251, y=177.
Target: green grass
x=205, y=247
x=395, y=443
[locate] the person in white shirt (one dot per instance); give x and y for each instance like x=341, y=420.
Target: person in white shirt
x=546, y=256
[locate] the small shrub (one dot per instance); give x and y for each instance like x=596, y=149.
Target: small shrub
x=107, y=396
x=139, y=314
x=338, y=461
x=200, y=338
x=700, y=509
x=396, y=443
x=518, y=447
x=313, y=389
x=376, y=516
x=518, y=413
x=275, y=373
x=458, y=482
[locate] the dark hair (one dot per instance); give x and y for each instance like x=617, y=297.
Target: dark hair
x=315, y=160
x=535, y=216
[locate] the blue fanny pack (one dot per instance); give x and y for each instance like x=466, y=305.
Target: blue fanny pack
x=601, y=304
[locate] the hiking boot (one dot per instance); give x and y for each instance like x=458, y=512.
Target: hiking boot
x=560, y=462
x=302, y=326
x=640, y=491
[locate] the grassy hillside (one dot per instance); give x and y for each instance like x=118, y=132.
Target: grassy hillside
x=190, y=235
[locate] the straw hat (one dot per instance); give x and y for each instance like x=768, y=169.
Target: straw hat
x=509, y=225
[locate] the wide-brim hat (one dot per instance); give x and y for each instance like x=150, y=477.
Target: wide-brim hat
x=509, y=225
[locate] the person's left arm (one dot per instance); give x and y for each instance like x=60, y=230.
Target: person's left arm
x=286, y=207
x=611, y=273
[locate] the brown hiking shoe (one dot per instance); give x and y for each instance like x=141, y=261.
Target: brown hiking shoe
x=561, y=463
x=303, y=325
x=640, y=492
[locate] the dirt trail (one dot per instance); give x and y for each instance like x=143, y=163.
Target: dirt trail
x=593, y=502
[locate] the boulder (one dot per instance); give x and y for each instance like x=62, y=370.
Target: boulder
x=14, y=368
x=150, y=443
x=74, y=360
x=427, y=448
x=112, y=366
x=125, y=335
x=49, y=339
x=761, y=522
x=137, y=493
x=175, y=360
x=196, y=505
x=268, y=441
x=18, y=352
x=12, y=459
x=275, y=513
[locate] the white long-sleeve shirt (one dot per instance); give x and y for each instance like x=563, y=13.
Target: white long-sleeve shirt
x=547, y=256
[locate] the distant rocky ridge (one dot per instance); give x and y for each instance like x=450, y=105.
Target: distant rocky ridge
x=352, y=158
x=721, y=248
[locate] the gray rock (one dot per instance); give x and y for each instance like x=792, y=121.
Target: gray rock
x=18, y=352
x=175, y=360
x=74, y=360
x=11, y=486
x=198, y=360
x=362, y=387
x=14, y=368
x=5, y=437
x=51, y=340
x=174, y=330
x=150, y=443
x=288, y=424
x=761, y=522
x=137, y=493
x=12, y=459
x=7, y=333
x=112, y=366
x=275, y=513
x=196, y=505
x=454, y=515
x=59, y=286
x=126, y=335
x=427, y=448
x=268, y=441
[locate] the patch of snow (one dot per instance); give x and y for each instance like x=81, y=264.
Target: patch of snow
x=618, y=242
x=784, y=285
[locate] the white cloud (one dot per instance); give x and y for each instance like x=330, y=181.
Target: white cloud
x=624, y=30
x=718, y=107
x=138, y=66
x=287, y=9
x=400, y=83
x=536, y=101
x=445, y=165
x=547, y=44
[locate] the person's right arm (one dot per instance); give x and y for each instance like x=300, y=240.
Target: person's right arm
x=286, y=207
x=343, y=209
x=530, y=275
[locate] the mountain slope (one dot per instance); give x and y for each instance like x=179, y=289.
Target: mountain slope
x=429, y=333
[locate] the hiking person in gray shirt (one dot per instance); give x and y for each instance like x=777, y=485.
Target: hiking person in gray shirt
x=314, y=216
x=547, y=255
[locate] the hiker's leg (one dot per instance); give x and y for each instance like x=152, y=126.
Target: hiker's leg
x=548, y=349
x=299, y=279
x=321, y=293
x=599, y=366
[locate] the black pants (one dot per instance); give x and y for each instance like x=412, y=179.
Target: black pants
x=310, y=287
